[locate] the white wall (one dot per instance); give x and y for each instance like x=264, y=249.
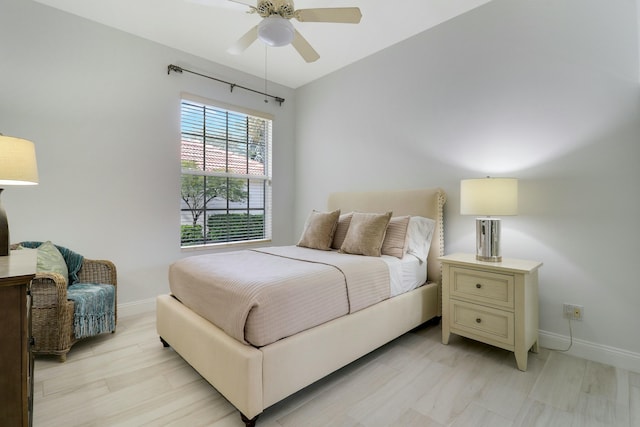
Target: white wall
x=105, y=118
x=545, y=91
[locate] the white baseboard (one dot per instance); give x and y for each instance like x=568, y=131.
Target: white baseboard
x=617, y=357
x=136, y=307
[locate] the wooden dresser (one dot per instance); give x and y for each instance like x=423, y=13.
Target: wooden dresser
x=16, y=360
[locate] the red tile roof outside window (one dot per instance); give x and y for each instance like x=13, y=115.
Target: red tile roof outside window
x=216, y=159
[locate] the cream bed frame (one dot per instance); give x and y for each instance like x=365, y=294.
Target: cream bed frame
x=253, y=379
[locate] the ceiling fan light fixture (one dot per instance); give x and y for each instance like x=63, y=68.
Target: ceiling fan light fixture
x=276, y=31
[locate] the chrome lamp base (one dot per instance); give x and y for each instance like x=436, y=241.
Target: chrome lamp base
x=488, y=239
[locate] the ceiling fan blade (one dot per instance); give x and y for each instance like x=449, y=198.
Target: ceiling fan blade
x=244, y=42
x=202, y=2
x=220, y=4
x=304, y=48
x=343, y=15
x=251, y=4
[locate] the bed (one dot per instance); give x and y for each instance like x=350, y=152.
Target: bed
x=254, y=378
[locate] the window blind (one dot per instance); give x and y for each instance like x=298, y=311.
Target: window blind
x=225, y=159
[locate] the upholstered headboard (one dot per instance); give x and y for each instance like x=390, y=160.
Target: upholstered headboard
x=428, y=202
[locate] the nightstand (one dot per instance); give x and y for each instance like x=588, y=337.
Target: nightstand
x=492, y=302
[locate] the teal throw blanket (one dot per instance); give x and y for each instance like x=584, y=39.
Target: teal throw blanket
x=94, y=308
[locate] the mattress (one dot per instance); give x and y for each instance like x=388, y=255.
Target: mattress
x=260, y=296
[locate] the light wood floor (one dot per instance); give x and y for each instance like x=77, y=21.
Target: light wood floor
x=129, y=379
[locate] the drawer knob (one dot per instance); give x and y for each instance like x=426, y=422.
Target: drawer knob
x=478, y=285
x=478, y=320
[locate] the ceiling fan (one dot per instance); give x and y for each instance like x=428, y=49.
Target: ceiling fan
x=276, y=28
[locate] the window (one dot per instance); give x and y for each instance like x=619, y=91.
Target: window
x=226, y=175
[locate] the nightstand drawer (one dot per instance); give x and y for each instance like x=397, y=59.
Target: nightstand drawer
x=485, y=322
x=482, y=286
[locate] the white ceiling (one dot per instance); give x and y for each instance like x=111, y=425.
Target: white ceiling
x=206, y=28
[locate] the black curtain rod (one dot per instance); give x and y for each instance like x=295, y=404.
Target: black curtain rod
x=232, y=86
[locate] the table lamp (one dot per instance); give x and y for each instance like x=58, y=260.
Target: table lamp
x=489, y=197
x=17, y=167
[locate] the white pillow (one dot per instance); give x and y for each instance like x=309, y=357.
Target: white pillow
x=419, y=235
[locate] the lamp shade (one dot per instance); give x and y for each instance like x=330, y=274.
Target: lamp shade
x=489, y=196
x=276, y=31
x=17, y=162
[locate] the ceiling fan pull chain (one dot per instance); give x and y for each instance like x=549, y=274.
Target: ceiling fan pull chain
x=266, y=48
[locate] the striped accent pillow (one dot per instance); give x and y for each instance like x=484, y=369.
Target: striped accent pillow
x=341, y=230
x=395, y=240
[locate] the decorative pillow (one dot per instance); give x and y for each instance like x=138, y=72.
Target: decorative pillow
x=319, y=230
x=366, y=234
x=419, y=235
x=50, y=260
x=341, y=230
x=396, y=237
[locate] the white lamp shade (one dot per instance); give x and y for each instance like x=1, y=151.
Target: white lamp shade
x=489, y=196
x=276, y=31
x=17, y=161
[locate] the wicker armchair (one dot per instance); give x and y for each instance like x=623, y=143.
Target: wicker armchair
x=51, y=312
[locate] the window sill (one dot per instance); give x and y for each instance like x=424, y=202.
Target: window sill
x=226, y=245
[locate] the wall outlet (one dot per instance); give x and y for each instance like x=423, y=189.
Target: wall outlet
x=572, y=311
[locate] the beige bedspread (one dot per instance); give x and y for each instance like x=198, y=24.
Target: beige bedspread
x=261, y=296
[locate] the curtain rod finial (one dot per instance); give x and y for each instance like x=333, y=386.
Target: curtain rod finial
x=175, y=68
